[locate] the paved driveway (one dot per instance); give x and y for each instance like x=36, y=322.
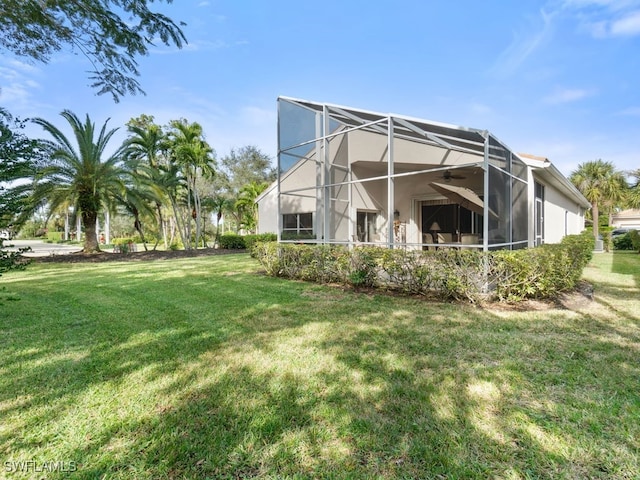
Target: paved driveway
x=42, y=249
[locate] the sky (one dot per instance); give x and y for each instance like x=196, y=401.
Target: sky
x=555, y=78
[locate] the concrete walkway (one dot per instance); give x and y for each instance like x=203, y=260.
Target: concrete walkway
x=40, y=248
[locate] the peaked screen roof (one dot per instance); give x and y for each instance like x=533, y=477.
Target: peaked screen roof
x=420, y=130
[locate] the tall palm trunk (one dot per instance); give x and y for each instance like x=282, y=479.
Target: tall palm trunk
x=161, y=227
x=91, y=239
x=596, y=216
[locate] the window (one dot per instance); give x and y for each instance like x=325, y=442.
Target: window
x=297, y=225
x=366, y=225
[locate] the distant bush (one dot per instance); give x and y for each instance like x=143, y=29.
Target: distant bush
x=448, y=274
x=123, y=244
x=232, y=241
x=623, y=242
x=634, y=235
x=54, y=237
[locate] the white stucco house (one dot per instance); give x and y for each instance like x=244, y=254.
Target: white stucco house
x=626, y=219
x=349, y=176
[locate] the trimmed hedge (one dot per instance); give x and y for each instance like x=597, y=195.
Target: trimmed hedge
x=470, y=275
x=232, y=241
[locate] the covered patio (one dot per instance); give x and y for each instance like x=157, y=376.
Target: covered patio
x=348, y=176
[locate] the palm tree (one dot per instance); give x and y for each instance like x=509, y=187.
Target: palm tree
x=78, y=174
x=246, y=204
x=219, y=204
x=192, y=153
x=601, y=184
x=633, y=197
x=142, y=150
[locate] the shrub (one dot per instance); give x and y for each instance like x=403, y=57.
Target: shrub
x=54, y=237
x=448, y=274
x=232, y=241
x=123, y=244
x=635, y=239
x=13, y=260
x=250, y=240
x=540, y=272
x=623, y=242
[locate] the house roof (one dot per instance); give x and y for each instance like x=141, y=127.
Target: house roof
x=546, y=171
x=631, y=213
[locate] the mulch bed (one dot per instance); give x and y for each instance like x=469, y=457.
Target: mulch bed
x=133, y=256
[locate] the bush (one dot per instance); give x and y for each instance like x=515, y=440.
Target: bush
x=123, y=244
x=635, y=239
x=623, y=242
x=54, y=237
x=251, y=240
x=231, y=241
x=470, y=275
x=13, y=260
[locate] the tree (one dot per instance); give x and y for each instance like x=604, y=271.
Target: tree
x=195, y=158
x=244, y=166
x=19, y=156
x=246, y=205
x=633, y=197
x=142, y=151
x=111, y=41
x=219, y=204
x=79, y=176
x=601, y=184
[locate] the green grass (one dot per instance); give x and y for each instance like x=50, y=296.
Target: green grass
x=201, y=368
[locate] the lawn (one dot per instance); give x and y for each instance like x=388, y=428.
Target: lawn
x=203, y=368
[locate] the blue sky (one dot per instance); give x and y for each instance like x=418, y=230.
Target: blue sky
x=557, y=78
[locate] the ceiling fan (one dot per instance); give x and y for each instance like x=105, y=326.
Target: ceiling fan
x=448, y=176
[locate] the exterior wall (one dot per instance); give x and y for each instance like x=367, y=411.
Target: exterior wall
x=562, y=216
x=626, y=219
x=268, y=211
x=300, y=202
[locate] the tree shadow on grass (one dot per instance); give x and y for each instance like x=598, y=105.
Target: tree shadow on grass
x=393, y=396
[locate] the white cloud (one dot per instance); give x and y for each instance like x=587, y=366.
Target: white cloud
x=524, y=44
x=567, y=95
x=17, y=84
x=605, y=18
x=629, y=25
